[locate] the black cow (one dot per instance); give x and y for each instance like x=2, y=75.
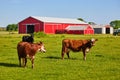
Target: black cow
x=28, y=38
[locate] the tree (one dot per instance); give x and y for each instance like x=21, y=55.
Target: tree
x=115, y=24
x=81, y=19
x=12, y=27
x=91, y=23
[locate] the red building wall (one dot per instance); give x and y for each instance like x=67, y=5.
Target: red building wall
x=89, y=30
x=51, y=28
x=75, y=32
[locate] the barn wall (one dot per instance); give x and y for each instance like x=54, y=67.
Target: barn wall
x=38, y=25
x=111, y=30
x=89, y=30
x=51, y=28
x=103, y=30
x=75, y=32
x=98, y=30
x=22, y=28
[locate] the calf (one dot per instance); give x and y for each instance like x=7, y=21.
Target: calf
x=26, y=49
x=28, y=39
x=76, y=46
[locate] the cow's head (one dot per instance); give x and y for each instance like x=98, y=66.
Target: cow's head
x=90, y=43
x=93, y=41
x=41, y=47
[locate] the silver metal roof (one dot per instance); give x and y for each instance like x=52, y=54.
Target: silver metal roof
x=76, y=28
x=59, y=20
x=100, y=26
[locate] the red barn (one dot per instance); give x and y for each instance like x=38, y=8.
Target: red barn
x=48, y=25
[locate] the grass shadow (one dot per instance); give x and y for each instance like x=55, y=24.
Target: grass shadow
x=99, y=56
x=52, y=57
x=9, y=65
x=55, y=57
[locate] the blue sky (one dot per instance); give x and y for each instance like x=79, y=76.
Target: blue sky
x=98, y=11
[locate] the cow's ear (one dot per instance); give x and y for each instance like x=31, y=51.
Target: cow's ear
x=40, y=42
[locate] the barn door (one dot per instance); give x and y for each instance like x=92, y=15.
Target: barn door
x=30, y=29
x=107, y=30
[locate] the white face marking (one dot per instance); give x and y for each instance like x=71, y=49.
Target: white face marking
x=93, y=42
x=87, y=49
x=42, y=49
x=92, y=39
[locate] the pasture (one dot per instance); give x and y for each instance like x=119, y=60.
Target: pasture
x=102, y=63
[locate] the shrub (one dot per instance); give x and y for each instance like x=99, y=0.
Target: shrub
x=39, y=34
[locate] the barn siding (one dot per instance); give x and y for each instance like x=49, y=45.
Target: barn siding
x=89, y=30
x=22, y=29
x=75, y=32
x=53, y=27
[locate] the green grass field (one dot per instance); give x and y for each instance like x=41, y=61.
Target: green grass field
x=103, y=61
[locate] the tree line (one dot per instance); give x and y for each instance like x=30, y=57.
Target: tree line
x=12, y=27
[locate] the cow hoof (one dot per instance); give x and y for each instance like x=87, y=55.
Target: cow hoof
x=84, y=59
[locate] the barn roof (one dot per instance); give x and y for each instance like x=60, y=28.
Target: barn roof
x=58, y=20
x=101, y=26
x=76, y=27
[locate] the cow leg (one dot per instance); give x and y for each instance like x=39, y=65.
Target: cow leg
x=25, y=61
x=68, y=54
x=84, y=55
x=63, y=52
x=32, y=61
x=84, y=58
x=20, y=61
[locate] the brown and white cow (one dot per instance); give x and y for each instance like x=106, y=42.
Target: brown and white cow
x=76, y=46
x=26, y=49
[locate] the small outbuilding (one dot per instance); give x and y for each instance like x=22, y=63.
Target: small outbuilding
x=102, y=29
x=80, y=30
x=47, y=25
